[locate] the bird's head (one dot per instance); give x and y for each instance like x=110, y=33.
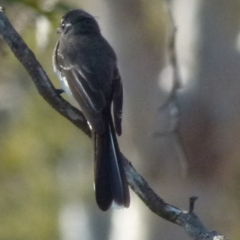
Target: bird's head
x=78, y=21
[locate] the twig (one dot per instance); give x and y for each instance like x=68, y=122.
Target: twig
x=173, y=60
x=187, y=220
x=171, y=104
x=192, y=201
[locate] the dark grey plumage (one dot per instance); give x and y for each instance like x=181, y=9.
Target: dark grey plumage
x=87, y=67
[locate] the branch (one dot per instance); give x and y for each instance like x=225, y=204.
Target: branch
x=170, y=105
x=187, y=219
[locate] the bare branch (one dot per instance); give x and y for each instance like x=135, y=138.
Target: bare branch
x=187, y=219
x=172, y=53
x=171, y=105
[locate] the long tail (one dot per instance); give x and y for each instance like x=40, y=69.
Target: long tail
x=110, y=180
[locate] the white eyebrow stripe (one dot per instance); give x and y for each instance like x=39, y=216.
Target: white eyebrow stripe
x=68, y=25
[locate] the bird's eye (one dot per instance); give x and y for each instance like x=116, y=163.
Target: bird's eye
x=64, y=26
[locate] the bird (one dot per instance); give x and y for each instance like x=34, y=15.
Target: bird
x=86, y=66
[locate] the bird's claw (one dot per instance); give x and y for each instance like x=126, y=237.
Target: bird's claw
x=59, y=91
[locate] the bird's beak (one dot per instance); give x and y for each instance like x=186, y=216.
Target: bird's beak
x=59, y=30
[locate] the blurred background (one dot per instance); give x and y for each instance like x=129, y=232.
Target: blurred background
x=46, y=167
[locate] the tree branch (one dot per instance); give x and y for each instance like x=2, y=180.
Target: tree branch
x=187, y=219
x=170, y=105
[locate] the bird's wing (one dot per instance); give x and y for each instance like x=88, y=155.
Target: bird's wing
x=117, y=101
x=81, y=83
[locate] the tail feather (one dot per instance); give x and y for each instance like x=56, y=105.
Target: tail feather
x=110, y=180
x=120, y=186
x=102, y=172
